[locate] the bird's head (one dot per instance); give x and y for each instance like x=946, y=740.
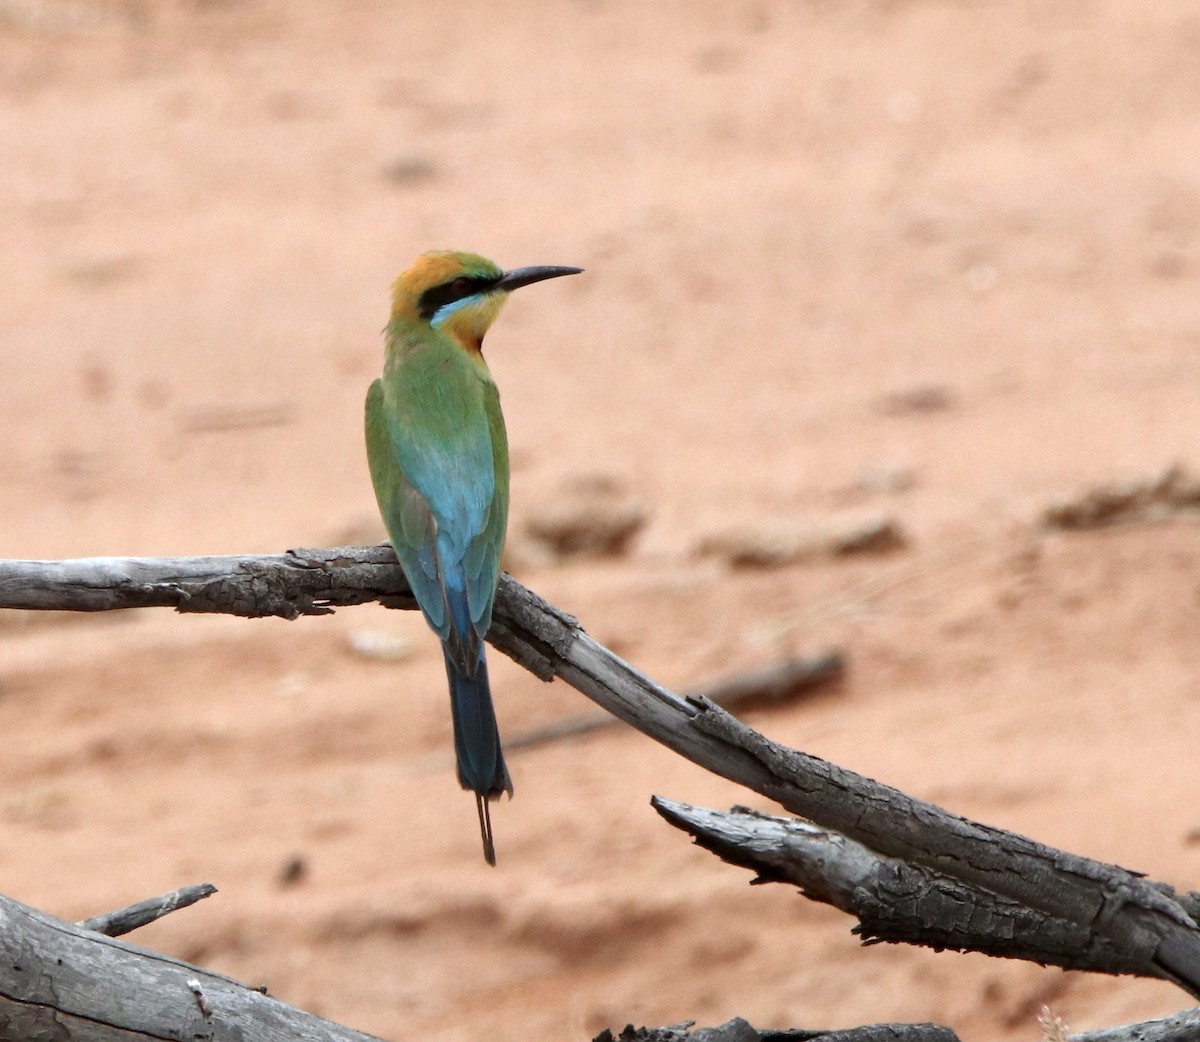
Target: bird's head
x=461, y=293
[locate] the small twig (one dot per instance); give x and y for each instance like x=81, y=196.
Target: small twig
x=778, y=682
x=124, y=920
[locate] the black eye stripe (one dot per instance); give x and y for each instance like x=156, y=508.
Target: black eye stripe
x=439, y=296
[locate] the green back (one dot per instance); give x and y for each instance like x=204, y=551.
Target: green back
x=438, y=456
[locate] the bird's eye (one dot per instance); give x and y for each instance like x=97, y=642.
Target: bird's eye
x=461, y=284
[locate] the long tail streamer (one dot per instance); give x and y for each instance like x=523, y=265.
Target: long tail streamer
x=485, y=829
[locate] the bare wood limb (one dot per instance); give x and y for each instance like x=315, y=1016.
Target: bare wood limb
x=739, y=1030
x=778, y=682
x=300, y=582
x=126, y=920
x=1179, y=1027
x=893, y=900
x=878, y=1033
x=50, y=969
x=1137, y=917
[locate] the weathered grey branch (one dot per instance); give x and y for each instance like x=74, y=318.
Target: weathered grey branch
x=872, y=1033
x=1136, y=917
x=49, y=990
x=1178, y=1027
x=739, y=1030
x=126, y=920
x=778, y=682
x=299, y=582
x=775, y=683
x=892, y=900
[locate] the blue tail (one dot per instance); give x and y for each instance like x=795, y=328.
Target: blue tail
x=481, y=765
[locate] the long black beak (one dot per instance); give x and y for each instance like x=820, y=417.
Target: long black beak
x=519, y=277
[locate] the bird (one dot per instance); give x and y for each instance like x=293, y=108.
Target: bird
x=437, y=451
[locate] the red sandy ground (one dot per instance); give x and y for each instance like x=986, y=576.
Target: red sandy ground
x=788, y=212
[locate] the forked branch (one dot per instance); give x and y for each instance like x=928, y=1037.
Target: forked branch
x=62, y=981
x=1137, y=925
x=892, y=900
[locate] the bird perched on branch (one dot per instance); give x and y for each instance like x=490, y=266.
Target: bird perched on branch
x=439, y=463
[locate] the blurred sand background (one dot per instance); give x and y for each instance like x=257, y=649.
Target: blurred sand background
x=934, y=261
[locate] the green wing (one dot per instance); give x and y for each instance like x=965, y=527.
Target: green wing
x=446, y=518
x=407, y=517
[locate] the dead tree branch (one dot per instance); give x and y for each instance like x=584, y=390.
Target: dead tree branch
x=892, y=900
x=126, y=920
x=771, y=685
x=1138, y=918
x=49, y=976
x=299, y=582
x=1179, y=1027
x=739, y=1030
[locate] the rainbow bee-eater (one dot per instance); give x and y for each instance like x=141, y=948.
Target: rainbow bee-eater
x=438, y=454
